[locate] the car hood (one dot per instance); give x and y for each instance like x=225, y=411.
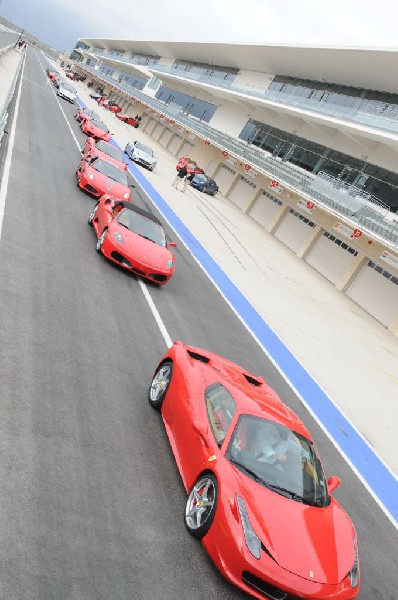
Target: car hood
x=311, y=542
x=66, y=92
x=141, y=249
x=144, y=156
x=108, y=185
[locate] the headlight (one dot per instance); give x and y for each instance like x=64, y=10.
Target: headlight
x=169, y=263
x=127, y=195
x=118, y=238
x=252, y=541
x=90, y=176
x=354, y=573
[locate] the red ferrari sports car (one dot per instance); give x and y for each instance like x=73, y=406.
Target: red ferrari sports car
x=98, y=176
x=132, y=238
x=129, y=120
x=85, y=112
x=190, y=164
x=257, y=493
x=95, y=128
x=113, y=107
x=70, y=75
x=104, y=150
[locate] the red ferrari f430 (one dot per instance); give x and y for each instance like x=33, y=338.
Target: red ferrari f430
x=133, y=238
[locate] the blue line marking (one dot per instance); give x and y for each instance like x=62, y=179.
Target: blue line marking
x=369, y=466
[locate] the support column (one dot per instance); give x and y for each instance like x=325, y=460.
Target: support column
x=349, y=276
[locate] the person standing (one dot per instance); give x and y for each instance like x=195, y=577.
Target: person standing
x=181, y=174
x=187, y=180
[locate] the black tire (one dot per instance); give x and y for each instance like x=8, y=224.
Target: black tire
x=160, y=384
x=201, y=505
x=92, y=214
x=101, y=240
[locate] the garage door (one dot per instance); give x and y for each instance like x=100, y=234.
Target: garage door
x=266, y=209
x=224, y=177
x=242, y=192
x=294, y=230
x=167, y=133
x=149, y=127
x=331, y=256
x=157, y=132
x=376, y=290
x=187, y=148
x=175, y=144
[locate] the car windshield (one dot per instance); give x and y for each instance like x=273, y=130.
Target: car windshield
x=201, y=178
x=278, y=458
x=99, y=124
x=142, y=226
x=110, y=150
x=144, y=148
x=111, y=171
x=68, y=88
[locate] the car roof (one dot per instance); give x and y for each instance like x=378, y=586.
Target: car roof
x=140, y=211
x=252, y=394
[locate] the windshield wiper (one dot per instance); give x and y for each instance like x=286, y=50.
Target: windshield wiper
x=145, y=237
x=248, y=471
x=293, y=495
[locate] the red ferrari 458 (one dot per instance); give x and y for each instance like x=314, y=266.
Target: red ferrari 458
x=86, y=113
x=258, y=497
x=104, y=150
x=132, y=238
x=113, y=107
x=96, y=129
x=98, y=176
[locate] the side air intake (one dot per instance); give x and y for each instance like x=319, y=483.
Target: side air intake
x=197, y=356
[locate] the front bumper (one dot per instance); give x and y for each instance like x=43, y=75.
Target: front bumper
x=114, y=252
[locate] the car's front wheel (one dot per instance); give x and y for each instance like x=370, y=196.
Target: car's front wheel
x=201, y=506
x=92, y=214
x=101, y=240
x=160, y=384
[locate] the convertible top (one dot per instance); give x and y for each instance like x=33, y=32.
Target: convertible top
x=138, y=210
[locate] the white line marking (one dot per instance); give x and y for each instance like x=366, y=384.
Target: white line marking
x=155, y=313
x=7, y=162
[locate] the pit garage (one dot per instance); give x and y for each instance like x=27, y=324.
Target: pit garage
x=294, y=230
x=187, y=148
x=243, y=192
x=175, y=144
x=157, y=131
x=266, y=209
x=375, y=289
x=149, y=125
x=166, y=136
x=224, y=177
x=331, y=256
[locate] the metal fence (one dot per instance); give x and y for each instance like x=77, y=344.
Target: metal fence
x=4, y=109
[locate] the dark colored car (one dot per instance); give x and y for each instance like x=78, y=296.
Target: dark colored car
x=205, y=184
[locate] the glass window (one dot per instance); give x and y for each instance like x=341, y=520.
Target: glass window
x=221, y=409
x=279, y=459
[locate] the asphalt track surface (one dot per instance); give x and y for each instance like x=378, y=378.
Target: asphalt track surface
x=91, y=500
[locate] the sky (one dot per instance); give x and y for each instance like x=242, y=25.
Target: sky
x=60, y=23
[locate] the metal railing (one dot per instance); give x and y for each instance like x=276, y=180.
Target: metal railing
x=7, y=40
x=328, y=192
x=4, y=108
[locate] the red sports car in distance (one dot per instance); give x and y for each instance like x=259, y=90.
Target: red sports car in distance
x=113, y=107
x=86, y=113
x=96, y=129
x=129, y=120
x=104, y=150
x=133, y=238
x=70, y=75
x=190, y=165
x=258, y=497
x=98, y=176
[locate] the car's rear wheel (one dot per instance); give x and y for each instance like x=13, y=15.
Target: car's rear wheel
x=160, y=384
x=101, y=240
x=92, y=214
x=201, y=506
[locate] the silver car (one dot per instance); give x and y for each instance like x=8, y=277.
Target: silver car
x=66, y=91
x=141, y=154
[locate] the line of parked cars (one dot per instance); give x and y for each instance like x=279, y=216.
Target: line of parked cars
x=126, y=234
x=64, y=89
x=257, y=494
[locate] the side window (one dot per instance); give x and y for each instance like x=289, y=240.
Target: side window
x=221, y=409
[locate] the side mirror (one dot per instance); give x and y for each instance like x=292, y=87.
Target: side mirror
x=172, y=245
x=333, y=483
